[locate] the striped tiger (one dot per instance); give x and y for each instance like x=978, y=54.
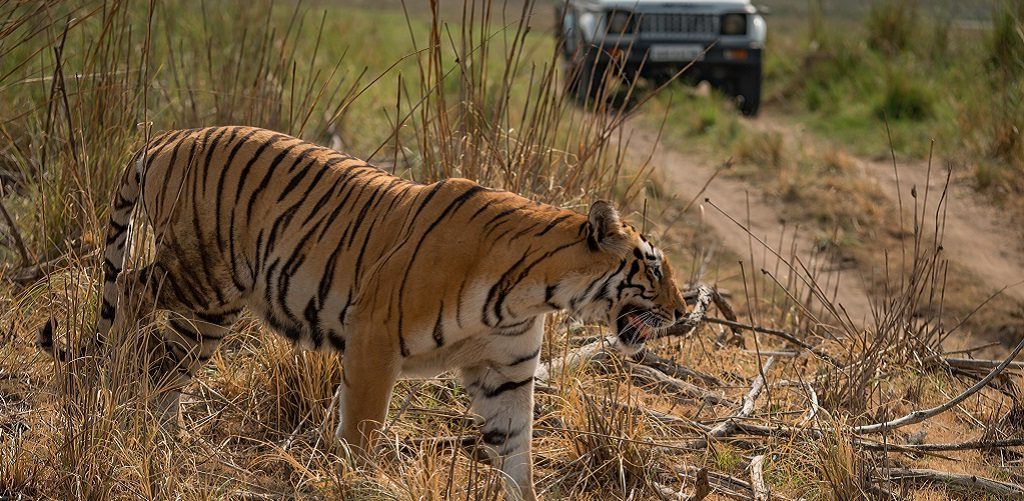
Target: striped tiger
x=404, y=279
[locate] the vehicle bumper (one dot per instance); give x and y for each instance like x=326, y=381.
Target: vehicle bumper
x=642, y=56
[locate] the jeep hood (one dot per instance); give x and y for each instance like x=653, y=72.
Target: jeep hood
x=672, y=4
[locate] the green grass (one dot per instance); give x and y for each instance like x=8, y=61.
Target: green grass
x=256, y=416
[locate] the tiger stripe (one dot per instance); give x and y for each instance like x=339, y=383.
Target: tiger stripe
x=403, y=278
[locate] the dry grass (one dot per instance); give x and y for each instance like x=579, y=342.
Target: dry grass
x=477, y=96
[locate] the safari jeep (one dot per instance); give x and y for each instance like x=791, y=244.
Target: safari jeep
x=657, y=38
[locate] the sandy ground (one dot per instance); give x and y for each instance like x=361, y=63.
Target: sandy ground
x=975, y=235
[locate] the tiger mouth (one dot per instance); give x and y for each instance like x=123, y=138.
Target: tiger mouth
x=633, y=324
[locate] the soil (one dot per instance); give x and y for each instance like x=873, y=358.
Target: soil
x=975, y=235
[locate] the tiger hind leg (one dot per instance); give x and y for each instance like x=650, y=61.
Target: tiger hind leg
x=189, y=339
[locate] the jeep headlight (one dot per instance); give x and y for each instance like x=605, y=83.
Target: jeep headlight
x=620, y=21
x=734, y=24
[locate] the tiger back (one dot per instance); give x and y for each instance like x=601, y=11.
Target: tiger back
x=402, y=278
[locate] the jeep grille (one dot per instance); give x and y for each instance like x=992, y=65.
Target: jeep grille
x=678, y=25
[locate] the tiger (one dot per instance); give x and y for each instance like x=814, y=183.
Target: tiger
x=402, y=279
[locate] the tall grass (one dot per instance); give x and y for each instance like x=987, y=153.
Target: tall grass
x=82, y=85
x=470, y=92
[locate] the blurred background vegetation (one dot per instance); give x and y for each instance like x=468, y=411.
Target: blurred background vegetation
x=471, y=89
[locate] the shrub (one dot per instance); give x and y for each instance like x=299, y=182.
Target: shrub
x=1006, y=41
x=891, y=25
x=905, y=99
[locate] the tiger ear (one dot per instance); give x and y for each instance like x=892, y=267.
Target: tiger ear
x=606, y=232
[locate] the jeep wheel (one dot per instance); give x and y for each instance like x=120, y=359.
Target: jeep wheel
x=584, y=79
x=747, y=87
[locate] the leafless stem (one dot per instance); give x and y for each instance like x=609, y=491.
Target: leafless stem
x=26, y=259
x=970, y=481
x=922, y=415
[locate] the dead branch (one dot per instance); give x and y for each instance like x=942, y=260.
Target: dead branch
x=727, y=427
x=942, y=477
x=649, y=377
x=812, y=399
x=757, y=478
x=587, y=352
x=721, y=483
x=922, y=415
x=702, y=297
x=814, y=434
x=672, y=368
x=581, y=355
x=970, y=363
x=777, y=333
x=956, y=446
x=642, y=375
x=26, y=259
x=33, y=272
x=700, y=481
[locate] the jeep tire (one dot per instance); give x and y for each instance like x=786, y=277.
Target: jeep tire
x=746, y=87
x=584, y=78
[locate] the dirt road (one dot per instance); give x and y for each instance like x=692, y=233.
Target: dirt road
x=975, y=235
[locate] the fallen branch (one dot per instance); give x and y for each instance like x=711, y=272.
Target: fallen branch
x=672, y=368
x=757, y=478
x=703, y=296
x=815, y=433
x=587, y=352
x=960, y=446
x=583, y=354
x=33, y=272
x=26, y=259
x=812, y=399
x=700, y=482
x=727, y=427
x=935, y=476
x=644, y=376
x=922, y=415
x=723, y=484
x=970, y=363
x=777, y=333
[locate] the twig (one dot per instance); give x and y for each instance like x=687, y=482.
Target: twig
x=703, y=296
x=578, y=356
x=722, y=483
x=757, y=478
x=295, y=433
x=957, y=446
x=642, y=375
x=728, y=426
x=647, y=376
x=26, y=259
x=921, y=415
x=583, y=354
x=812, y=398
x=774, y=332
x=700, y=481
x=970, y=363
x=969, y=481
x=673, y=368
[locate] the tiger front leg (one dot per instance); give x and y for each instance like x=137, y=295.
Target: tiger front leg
x=503, y=397
x=369, y=377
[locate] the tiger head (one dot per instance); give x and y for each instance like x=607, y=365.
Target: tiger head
x=636, y=291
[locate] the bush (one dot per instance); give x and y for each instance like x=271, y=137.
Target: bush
x=905, y=99
x=1006, y=41
x=891, y=25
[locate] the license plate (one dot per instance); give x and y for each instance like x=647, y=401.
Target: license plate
x=687, y=52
